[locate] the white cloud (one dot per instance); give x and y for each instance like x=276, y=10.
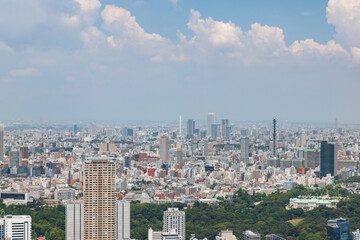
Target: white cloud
x=310, y=47
x=4, y=47
x=215, y=32
x=356, y=55
x=174, y=1
x=24, y=72
x=345, y=16
x=120, y=21
x=156, y=59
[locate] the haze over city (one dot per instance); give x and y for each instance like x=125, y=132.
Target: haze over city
x=155, y=60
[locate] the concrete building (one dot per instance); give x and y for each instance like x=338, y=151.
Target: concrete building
x=64, y=194
x=108, y=147
x=211, y=119
x=190, y=128
x=249, y=235
x=122, y=220
x=224, y=126
x=356, y=235
x=17, y=227
x=99, y=199
x=164, y=149
x=244, y=149
x=174, y=220
x=15, y=159
x=312, y=158
x=273, y=237
x=1, y=143
x=215, y=131
x=338, y=229
x=74, y=221
x=226, y=235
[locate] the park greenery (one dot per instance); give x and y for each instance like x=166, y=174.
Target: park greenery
x=256, y=212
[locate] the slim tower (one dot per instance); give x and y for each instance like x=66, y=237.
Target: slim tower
x=211, y=119
x=164, y=149
x=174, y=220
x=99, y=199
x=123, y=220
x=274, y=137
x=1, y=143
x=180, y=126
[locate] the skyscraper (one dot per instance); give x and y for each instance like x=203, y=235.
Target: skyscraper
x=190, y=128
x=224, y=125
x=74, y=221
x=122, y=220
x=75, y=129
x=215, y=131
x=244, y=150
x=99, y=199
x=1, y=143
x=328, y=159
x=164, y=149
x=211, y=119
x=338, y=229
x=274, y=137
x=17, y=227
x=174, y=220
x=15, y=159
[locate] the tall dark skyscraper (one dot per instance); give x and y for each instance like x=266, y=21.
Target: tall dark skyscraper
x=224, y=125
x=75, y=129
x=190, y=128
x=328, y=159
x=338, y=229
x=274, y=137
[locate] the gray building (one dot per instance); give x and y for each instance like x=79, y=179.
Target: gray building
x=328, y=159
x=190, y=128
x=15, y=158
x=74, y=221
x=211, y=119
x=1, y=143
x=249, y=235
x=244, y=149
x=312, y=158
x=215, y=131
x=122, y=220
x=174, y=220
x=164, y=149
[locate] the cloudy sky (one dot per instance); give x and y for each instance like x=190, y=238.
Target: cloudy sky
x=158, y=59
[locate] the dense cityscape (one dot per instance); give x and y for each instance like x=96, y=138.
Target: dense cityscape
x=102, y=173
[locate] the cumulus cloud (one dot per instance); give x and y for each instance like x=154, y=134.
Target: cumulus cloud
x=310, y=47
x=24, y=72
x=120, y=21
x=345, y=16
x=174, y=1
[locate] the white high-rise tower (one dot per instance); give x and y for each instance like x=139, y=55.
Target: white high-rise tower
x=1, y=143
x=211, y=119
x=174, y=220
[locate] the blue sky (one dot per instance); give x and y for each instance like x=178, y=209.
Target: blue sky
x=90, y=60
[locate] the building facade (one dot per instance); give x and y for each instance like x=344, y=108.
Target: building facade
x=17, y=227
x=174, y=219
x=328, y=159
x=122, y=220
x=74, y=221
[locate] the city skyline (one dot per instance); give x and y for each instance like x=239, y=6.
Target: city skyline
x=159, y=59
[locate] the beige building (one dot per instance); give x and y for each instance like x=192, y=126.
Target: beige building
x=99, y=199
x=108, y=147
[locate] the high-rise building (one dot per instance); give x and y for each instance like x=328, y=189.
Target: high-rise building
x=215, y=131
x=224, y=125
x=356, y=235
x=244, y=149
x=17, y=227
x=15, y=159
x=274, y=137
x=211, y=119
x=24, y=152
x=75, y=129
x=108, y=147
x=74, y=221
x=312, y=158
x=1, y=143
x=127, y=161
x=164, y=149
x=249, y=235
x=2, y=229
x=127, y=132
x=338, y=229
x=174, y=219
x=179, y=155
x=328, y=159
x=122, y=220
x=99, y=199
x=190, y=128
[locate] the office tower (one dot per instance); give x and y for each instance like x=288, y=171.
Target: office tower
x=338, y=229
x=274, y=137
x=180, y=126
x=174, y=219
x=249, y=235
x=356, y=235
x=17, y=227
x=127, y=132
x=15, y=159
x=228, y=133
x=211, y=119
x=122, y=220
x=190, y=128
x=24, y=152
x=328, y=159
x=75, y=129
x=302, y=139
x=1, y=143
x=273, y=237
x=179, y=155
x=99, y=199
x=312, y=158
x=127, y=161
x=108, y=147
x=215, y=131
x=74, y=221
x=224, y=125
x=2, y=229
x=244, y=150
x=164, y=149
